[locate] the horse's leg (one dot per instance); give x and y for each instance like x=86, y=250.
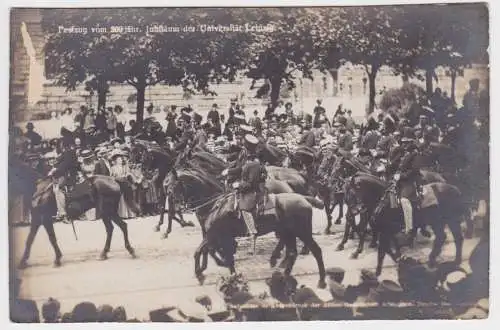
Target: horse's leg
x=34, y=225
x=456, y=231
x=340, y=203
x=348, y=227
x=109, y=233
x=49, y=228
x=328, y=211
x=276, y=253
x=291, y=251
x=311, y=244
x=162, y=214
x=375, y=235
x=123, y=226
x=363, y=224
x=383, y=248
x=197, y=254
x=438, y=228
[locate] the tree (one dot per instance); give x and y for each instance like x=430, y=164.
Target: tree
x=441, y=35
x=292, y=48
x=371, y=39
x=143, y=58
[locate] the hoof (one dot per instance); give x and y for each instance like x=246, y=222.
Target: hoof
x=282, y=264
x=378, y=272
x=327, y=232
x=200, y=278
x=354, y=255
x=103, y=256
x=157, y=228
x=432, y=263
x=188, y=224
x=338, y=222
x=304, y=251
x=164, y=236
x=132, y=253
x=23, y=264
x=272, y=262
x=57, y=262
x=340, y=247
x=373, y=245
x=321, y=284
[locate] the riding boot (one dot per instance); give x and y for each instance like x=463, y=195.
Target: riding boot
x=250, y=223
x=60, y=202
x=408, y=215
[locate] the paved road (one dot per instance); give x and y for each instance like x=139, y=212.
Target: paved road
x=163, y=273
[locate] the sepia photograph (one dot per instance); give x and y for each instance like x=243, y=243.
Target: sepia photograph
x=237, y=164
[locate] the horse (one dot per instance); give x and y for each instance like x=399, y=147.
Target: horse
x=102, y=193
x=331, y=194
x=221, y=224
x=447, y=209
x=43, y=212
x=345, y=168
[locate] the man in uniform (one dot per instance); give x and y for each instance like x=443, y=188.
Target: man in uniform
x=65, y=174
x=252, y=186
x=408, y=180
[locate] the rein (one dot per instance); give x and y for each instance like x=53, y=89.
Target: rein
x=205, y=203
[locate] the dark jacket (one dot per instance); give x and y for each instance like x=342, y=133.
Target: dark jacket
x=345, y=141
x=101, y=168
x=307, y=139
x=68, y=164
x=34, y=137
x=253, y=175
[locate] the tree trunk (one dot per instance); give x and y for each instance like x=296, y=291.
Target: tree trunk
x=371, y=85
x=405, y=78
x=102, y=90
x=453, y=82
x=335, y=77
x=429, y=75
x=275, y=90
x=141, y=92
x=101, y=98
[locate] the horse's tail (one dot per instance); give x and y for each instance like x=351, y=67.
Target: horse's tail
x=314, y=202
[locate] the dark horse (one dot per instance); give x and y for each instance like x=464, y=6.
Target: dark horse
x=363, y=190
x=101, y=192
x=43, y=211
x=329, y=189
x=221, y=224
x=344, y=168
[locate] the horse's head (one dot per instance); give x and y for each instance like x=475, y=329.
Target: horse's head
x=191, y=187
x=352, y=195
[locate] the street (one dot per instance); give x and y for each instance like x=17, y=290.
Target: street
x=163, y=273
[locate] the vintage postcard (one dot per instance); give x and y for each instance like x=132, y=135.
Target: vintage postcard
x=249, y=164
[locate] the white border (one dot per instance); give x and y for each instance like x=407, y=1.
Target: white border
x=494, y=164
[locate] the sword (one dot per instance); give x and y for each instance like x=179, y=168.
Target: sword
x=74, y=229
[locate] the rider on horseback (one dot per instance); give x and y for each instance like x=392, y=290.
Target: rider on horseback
x=65, y=174
x=251, y=188
x=408, y=181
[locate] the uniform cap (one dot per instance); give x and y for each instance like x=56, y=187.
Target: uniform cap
x=251, y=139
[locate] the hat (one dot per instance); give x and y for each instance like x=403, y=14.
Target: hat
x=251, y=139
x=50, y=155
x=116, y=153
x=86, y=154
x=336, y=273
x=29, y=125
x=246, y=128
x=233, y=100
x=116, y=140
